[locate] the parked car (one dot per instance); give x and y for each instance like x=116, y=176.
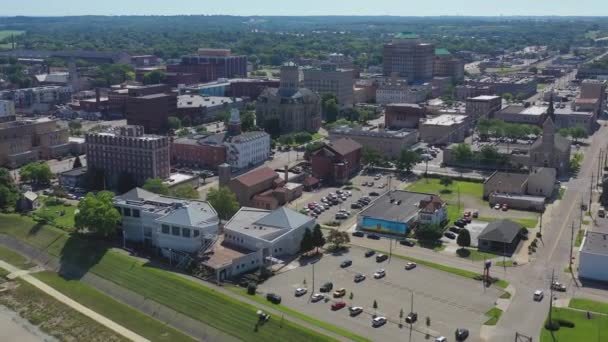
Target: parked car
x=461, y=334
x=339, y=293
x=450, y=235
x=338, y=305
x=381, y=257
x=356, y=206
x=497, y=206
x=346, y=263
x=538, y=295
x=410, y=266
x=341, y=216
x=327, y=287
x=373, y=193
x=373, y=236
x=411, y=318
x=358, y=234
x=407, y=242
x=300, y=291
x=359, y=277
x=378, y=176
x=379, y=321
x=455, y=229
x=355, y=310
x=557, y=286
x=317, y=297
x=441, y=339
x=460, y=223
x=381, y=273
x=369, y=253
x=505, y=207
x=273, y=298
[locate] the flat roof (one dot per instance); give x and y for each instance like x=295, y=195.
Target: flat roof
x=405, y=206
x=176, y=178
x=223, y=254
x=189, y=101
x=596, y=243
x=484, y=97
x=445, y=120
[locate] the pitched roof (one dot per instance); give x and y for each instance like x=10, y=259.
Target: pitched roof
x=137, y=194
x=344, y=146
x=257, y=176
x=30, y=196
x=193, y=214
x=500, y=231
x=283, y=218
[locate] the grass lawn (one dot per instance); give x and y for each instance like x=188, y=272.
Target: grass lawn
x=528, y=223
x=15, y=258
x=475, y=255
x=128, y=317
x=561, y=193
x=494, y=314
x=54, y=317
x=579, y=237
x=7, y=33
x=289, y=311
x=505, y=295
x=593, y=329
x=60, y=215
x=589, y=305
x=188, y=297
x=508, y=263
x=431, y=185
x=317, y=136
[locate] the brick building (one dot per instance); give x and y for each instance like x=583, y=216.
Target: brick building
x=329, y=79
x=403, y=115
x=483, y=106
x=250, y=87
x=212, y=64
x=337, y=161
x=407, y=56
x=151, y=111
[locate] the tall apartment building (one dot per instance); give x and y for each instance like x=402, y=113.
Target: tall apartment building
x=329, y=79
x=25, y=141
x=483, y=106
x=289, y=108
x=407, y=56
x=212, y=64
x=447, y=65
x=395, y=90
x=128, y=152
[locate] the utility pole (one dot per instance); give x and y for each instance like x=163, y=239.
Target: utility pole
x=458, y=188
x=551, y=299
x=599, y=165
x=590, y=194
x=412, y=302
x=313, y=278
x=541, y=221
x=390, y=249
x=571, y=245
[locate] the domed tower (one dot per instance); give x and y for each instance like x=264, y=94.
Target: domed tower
x=234, y=124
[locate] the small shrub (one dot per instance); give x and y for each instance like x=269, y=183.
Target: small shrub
x=251, y=288
x=552, y=326
x=565, y=323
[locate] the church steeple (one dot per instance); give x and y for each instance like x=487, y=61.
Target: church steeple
x=551, y=109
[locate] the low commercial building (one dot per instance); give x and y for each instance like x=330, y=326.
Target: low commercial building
x=255, y=238
x=518, y=87
x=525, y=191
x=465, y=91
x=444, y=129
x=402, y=93
x=396, y=212
x=7, y=109
x=337, y=161
x=593, y=256
x=533, y=115
x=483, y=106
x=567, y=117
x=403, y=115
x=72, y=179
x=39, y=99
x=447, y=65
x=592, y=96
x=200, y=109
x=500, y=237
x=389, y=143
x=166, y=223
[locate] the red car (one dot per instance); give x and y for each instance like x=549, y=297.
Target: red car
x=338, y=305
x=505, y=207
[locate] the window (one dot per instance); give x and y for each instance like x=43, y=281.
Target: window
x=165, y=229
x=127, y=211
x=186, y=232
x=175, y=231
x=196, y=233
x=135, y=212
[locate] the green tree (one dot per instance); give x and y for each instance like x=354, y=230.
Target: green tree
x=331, y=110
x=306, y=244
x=174, y=122
x=578, y=132
x=429, y=232
x=156, y=186
x=155, y=77
x=318, y=240
x=371, y=157
x=489, y=154
x=302, y=137
x=38, y=173
x=507, y=96
x=200, y=129
x=565, y=132
x=407, y=160
x=464, y=238
x=109, y=74
x=97, y=215
x=8, y=190
x=248, y=121
x=337, y=238
x=446, y=181
x=186, y=121
x=462, y=153
x=187, y=192
x=223, y=201
x=77, y=163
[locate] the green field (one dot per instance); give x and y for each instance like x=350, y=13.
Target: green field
x=432, y=186
x=128, y=317
x=579, y=237
x=584, y=330
x=589, y=305
x=192, y=299
x=4, y=34
x=494, y=314
x=14, y=258
x=59, y=215
x=475, y=255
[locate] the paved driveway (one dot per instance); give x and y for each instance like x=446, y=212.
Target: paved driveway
x=449, y=300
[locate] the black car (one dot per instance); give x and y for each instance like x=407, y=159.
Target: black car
x=359, y=277
x=373, y=193
x=460, y=223
x=274, y=298
x=373, y=236
x=356, y=206
x=450, y=235
x=346, y=263
x=407, y=242
x=327, y=287
x=381, y=257
x=358, y=234
x=455, y=229
x=369, y=253
x=461, y=334
x=411, y=318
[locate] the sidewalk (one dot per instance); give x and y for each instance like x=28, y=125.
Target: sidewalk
x=26, y=276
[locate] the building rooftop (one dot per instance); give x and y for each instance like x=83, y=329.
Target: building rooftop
x=484, y=97
x=193, y=101
x=442, y=52
x=396, y=205
x=518, y=179
x=397, y=134
x=406, y=35
x=596, y=243
x=257, y=176
x=265, y=224
x=445, y=120
x=75, y=172
x=177, y=178
x=500, y=231
x=344, y=146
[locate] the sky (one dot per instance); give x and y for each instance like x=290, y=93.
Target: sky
x=308, y=7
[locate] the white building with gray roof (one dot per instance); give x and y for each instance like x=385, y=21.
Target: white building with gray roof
x=168, y=223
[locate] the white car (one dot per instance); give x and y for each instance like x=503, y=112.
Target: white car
x=497, y=206
x=317, y=297
x=300, y=291
x=355, y=310
x=441, y=339
x=380, y=273
x=378, y=321
x=538, y=295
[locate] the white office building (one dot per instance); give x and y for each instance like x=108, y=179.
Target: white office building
x=7, y=108
x=594, y=257
x=170, y=224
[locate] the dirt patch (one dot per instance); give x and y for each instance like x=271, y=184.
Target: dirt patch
x=52, y=317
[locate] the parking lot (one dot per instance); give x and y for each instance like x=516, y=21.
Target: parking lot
x=450, y=301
